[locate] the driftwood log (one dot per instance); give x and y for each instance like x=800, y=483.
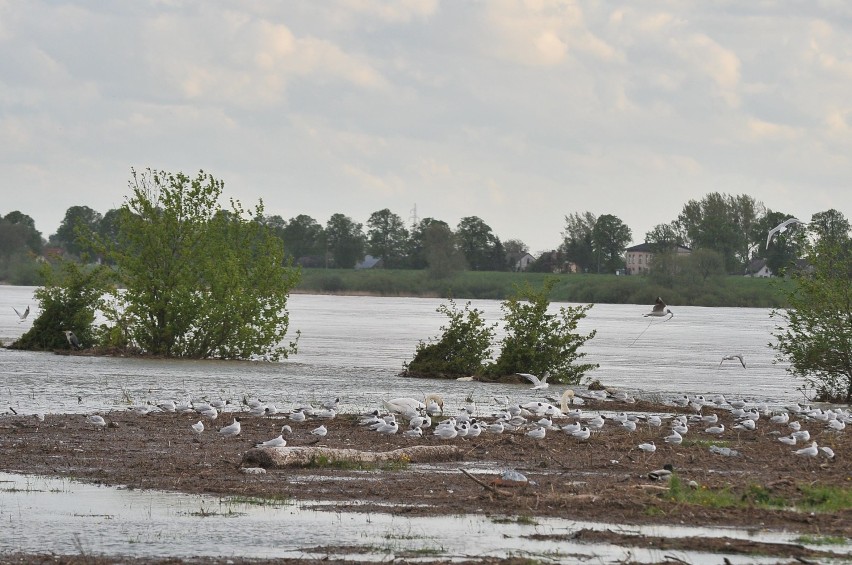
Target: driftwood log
x=275, y=457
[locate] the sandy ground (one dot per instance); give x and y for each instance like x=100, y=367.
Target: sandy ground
x=604, y=479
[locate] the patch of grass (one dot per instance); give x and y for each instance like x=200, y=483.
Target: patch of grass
x=654, y=511
x=819, y=498
x=762, y=497
x=820, y=540
x=705, y=442
x=815, y=498
x=702, y=496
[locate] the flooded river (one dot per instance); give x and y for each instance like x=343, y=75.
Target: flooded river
x=355, y=347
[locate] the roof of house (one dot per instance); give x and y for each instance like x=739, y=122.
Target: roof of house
x=649, y=248
x=368, y=263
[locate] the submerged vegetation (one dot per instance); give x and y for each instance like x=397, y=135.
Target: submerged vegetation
x=535, y=341
x=187, y=277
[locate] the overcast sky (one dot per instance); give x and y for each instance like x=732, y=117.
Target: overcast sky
x=519, y=112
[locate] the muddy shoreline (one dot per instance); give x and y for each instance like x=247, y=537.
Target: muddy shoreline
x=605, y=479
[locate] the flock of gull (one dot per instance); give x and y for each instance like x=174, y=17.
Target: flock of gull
x=691, y=416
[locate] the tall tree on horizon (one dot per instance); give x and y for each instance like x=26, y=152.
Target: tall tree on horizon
x=387, y=238
x=345, y=241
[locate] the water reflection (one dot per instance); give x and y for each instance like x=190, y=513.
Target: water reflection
x=67, y=517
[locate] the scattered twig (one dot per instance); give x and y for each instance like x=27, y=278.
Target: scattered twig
x=486, y=485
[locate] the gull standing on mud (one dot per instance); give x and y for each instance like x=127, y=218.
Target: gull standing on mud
x=232, y=429
x=198, y=427
x=96, y=420
x=274, y=442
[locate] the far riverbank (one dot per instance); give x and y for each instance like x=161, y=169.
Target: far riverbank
x=719, y=291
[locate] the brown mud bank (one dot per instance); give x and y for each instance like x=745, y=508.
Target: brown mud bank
x=605, y=479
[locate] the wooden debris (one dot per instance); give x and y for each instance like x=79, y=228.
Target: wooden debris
x=275, y=457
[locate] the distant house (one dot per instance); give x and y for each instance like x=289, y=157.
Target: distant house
x=757, y=268
x=523, y=263
x=370, y=262
x=638, y=258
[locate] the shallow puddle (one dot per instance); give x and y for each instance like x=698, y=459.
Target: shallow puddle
x=66, y=517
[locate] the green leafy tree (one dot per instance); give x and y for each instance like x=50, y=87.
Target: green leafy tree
x=815, y=333
x=78, y=221
x=344, y=240
x=610, y=237
x=702, y=264
x=417, y=242
x=539, y=342
x=199, y=281
x=724, y=223
x=69, y=299
x=831, y=227
x=578, y=240
x=665, y=237
x=303, y=239
x=460, y=351
x=443, y=257
x=26, y=225
x=387, y=238
x=481, y=248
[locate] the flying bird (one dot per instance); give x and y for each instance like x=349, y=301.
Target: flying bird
x=537, y=383
x=22, y=317
x=736, y=357
x=659, y=309
x=782, y=227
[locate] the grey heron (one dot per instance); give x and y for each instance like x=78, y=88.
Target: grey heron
x=72, y=339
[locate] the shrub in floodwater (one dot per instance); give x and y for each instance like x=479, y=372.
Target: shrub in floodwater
x=460, y=351
x=539, y=342
x=69, y=299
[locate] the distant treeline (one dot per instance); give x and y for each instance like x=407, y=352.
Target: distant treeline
x=726, y=291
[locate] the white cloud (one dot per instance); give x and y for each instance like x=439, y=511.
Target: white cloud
x=466, y=108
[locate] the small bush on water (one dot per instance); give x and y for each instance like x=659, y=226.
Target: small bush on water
x=461, y=350
x=538, y=342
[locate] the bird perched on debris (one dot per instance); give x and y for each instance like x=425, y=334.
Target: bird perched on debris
x=72, y=339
